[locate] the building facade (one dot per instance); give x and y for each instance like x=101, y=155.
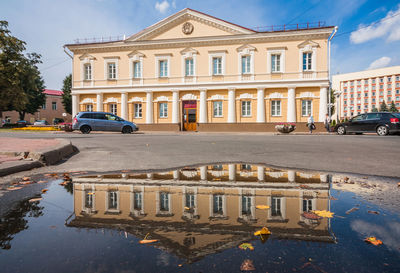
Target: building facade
x=364, y=90
x=192, y=71
x=51, y=109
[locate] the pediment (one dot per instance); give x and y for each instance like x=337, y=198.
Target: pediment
x=245, y=49
x=308, y=43
x=86, y=57
x=189, y=51
x=188, y=23
x=136, y=54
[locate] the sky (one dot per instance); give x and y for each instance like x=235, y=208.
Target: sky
x=368, y=35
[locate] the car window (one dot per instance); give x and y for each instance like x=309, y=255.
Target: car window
x=358, y=118
x=99, y=116
x=111, y=117
x=86, y=115
x=373, y=116
x=397, y=115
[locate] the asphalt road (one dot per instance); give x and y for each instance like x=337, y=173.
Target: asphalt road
x=357, y=154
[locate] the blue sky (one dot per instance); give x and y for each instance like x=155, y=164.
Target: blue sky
x=46, y=25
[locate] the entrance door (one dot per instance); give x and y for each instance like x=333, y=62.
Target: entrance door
x=189, y=115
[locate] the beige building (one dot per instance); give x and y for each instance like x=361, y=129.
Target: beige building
x=192, y=71
x=363, y=90
x=197, y=211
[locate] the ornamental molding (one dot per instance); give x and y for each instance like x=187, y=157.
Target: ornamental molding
x=87, y=101
x=308, y=45
x=189, y=97
x=245, y=96
x=306, y=175
x=275, y=174
x=275, y=95
x=136, y=55
x=307, y=95
x=111, y=99
x=161, y=98
x=86, y=57
x=136, y=99
x=189, y=174
x=188, y=52
x=246, y=49
x=217, y=97
x=187, y=28
x=217, y=173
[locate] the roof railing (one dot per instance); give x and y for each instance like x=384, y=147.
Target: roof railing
x=289, y=27
x=100, y=39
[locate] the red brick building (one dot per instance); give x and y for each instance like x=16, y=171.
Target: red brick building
x=53, y=108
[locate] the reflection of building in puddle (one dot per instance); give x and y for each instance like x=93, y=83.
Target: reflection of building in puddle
x=198, y=211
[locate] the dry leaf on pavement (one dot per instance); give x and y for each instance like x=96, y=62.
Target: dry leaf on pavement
x=373, y=240
x=323, y=213
x=245, y=246
x=247, y=265
x=262, y=207
x=263, y=231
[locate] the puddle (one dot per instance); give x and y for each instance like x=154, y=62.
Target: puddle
x=199, y=217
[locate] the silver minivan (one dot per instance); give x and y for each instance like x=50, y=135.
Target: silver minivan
x=102, y=121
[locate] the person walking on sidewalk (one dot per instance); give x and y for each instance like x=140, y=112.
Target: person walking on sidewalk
x=327, y=123
x=310, y=123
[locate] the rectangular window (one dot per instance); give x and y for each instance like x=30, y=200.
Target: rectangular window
x=217, y=66
x=112, y=71
x=275, y=108
x=88, y=72
x=276, y=62
x=381, y=80
x=397, y=84
x=137, y=201
x=246, y=108
x=89, y=107
x=397, y=78
x=163, y=68
x=365, y=94
x=365, y=100
x=373, y=81
x=189, y=200
x=189, y=67
x=44, y=106
x=365, y=81
x=113, y=108
x=137, y=110
x=54, y=105
x=164, y=201
x=245, y=64
x=358, y=82
x=217, y=109
x=389, y=92
x=381, y=86
x=88, y=199
x=137, y=70
x=217, y=204
x=307, y=205
x=112, y=200
x=389, y=79
x=306, y=107
x=246, y=205
x=307, y=61
x=276, y=206
x=163, y=110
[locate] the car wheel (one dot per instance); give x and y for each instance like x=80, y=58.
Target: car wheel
x=382, y=130
x=85, y=129
x=127, y=130
x=341, y=130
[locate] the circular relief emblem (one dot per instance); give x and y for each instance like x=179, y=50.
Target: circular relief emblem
x=187, y=28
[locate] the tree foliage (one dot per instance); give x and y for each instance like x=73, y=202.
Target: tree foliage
x=393, y=108
x=383, y=107
x=333, y=100
x=66, y=97
x=374, y=109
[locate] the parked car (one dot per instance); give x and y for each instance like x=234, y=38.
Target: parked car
x=382, y=123
x=41, y=122
x=22, y=123
x=57, y=121
x=102, y=121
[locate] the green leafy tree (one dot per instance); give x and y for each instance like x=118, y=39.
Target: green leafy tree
x=393, y=108
x=383, y=107
x=374, y=109
x=66, y=97
x=11, y=66
x=333, y=100
x=33, y=86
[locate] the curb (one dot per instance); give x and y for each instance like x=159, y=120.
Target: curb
x=20, y=168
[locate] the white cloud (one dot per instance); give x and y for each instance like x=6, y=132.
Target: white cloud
x=388, y=27
x=162, y=7
x=379, y=63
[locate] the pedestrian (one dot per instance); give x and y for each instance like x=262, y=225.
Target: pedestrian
x=310, y=123
x=327, y=123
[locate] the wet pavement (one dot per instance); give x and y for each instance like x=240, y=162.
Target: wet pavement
x=202, y=219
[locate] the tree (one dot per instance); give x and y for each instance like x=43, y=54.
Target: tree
x=33, y=85
x=333, y=99
x=66, y=97
x=11, y=66
x=393, y=108
x=383, y=107
x=374, y=109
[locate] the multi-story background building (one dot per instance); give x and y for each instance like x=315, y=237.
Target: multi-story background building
x=192, y=71
x=364, y=90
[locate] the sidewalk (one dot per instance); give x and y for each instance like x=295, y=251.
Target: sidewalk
x=19, y=154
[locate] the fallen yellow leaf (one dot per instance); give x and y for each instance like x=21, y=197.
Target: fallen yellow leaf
x=245, y=246
x=262, y=207
x=35, y=199
x=323, y=213
x=263, y=231
x=14, y=188
x=187, y=208
x=90, y=193
x=147, y=241
x=44, y=190
x=373, y=240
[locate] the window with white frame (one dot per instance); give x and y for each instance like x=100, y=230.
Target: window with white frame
x=373, y=81
x=112, y=71
x=137, y=110
x=307, y=205
x=89, y=107
x=276, y=206
x=88, y=199
x=217, y=65
x=246, y=108
x=87, y=72
x=54, y=105
x=246, y=205
x=306, y=107
x=218, y=204
x=190, y=200
x=189, y=67
x=307, y=61
x=137, y=70
x=389, y=79
x=137, y=201
x=275, y=62
x=163, y=68
x=275, y=108
x=246, y=64
x=163, y=109
x=217, y=106
x=113, y=108
x=164, y=201
x=112, y=200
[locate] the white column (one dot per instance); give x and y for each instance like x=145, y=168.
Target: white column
x=99, y=102
x=323, y=103
x=124, y=105
x=324, y=178
x=75, y=104
x=203, y=106
x=176, y=174
x=203, y=172
x=232, y=172
x=260, y=105
x=260, y=173
x=175, y=106
x=231, y=106
x=292, y=176
x=291, y=106
x=149, y=107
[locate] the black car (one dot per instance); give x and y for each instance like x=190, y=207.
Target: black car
x=382, y=123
